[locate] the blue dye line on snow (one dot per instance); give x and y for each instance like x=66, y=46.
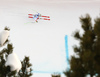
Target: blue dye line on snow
x=66, y=49
x=67, y=57
x=46, y=72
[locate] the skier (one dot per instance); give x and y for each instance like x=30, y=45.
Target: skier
x=36, y=17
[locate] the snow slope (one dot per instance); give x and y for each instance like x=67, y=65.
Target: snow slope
x=44, y=41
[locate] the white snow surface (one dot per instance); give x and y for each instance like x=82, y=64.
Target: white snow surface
x=3, y=36
x=14, y=62
x=44, y=41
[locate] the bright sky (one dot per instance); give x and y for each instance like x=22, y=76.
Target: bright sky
x=44, y=41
